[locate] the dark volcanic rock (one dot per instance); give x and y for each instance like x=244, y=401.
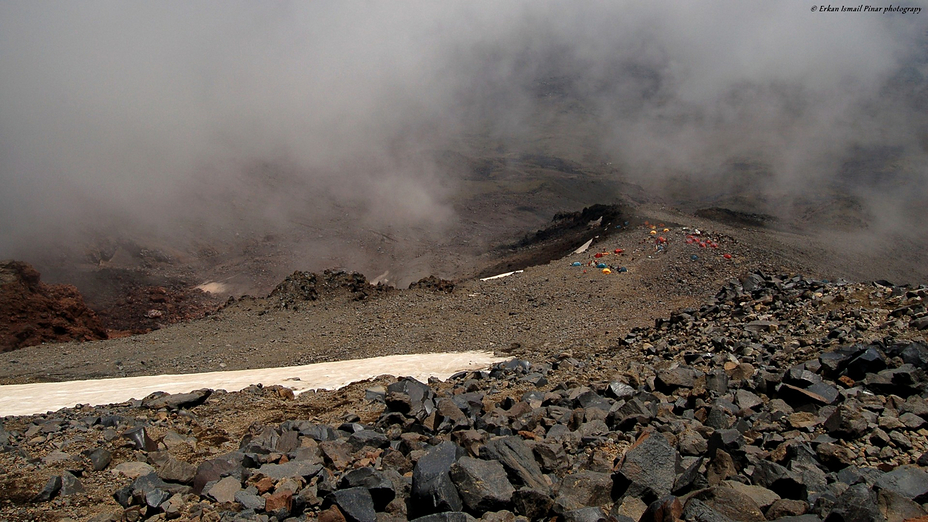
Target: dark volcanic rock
x=730, y=503
x=648, y=468
x=909, y=481
x=432, y=488
x=355, y=504
x=176, y=401
x=381, y=488
x=517, y=458
x=847, y=421
x=532, y=503
x=583, y=489
x=857, y=504
x=482, y=484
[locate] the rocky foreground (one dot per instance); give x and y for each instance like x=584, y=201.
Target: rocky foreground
x=781, y=397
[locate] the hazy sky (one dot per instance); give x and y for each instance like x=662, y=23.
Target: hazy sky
x=123, y=112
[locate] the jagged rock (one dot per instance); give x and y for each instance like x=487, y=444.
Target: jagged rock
x=532, y=503
x=909, y=481
x=100, y=458
x=176, y=401
x=691, y=443
x=786, y=507
x=620, y=390
x=173, y=507
x=516, y=457
x=847, y=422
x=133, y=469
x=249, y=499
x=648, y=468
x=293, y=468
x=730, y=503
x=720, y=468
x=587, y=514
x=224, y=490
x=634, y=509
x=140, y=439
x=896, y=508
x=447, y=516
x=482, y=484
x=696, y=510
x=145, y=484
x=868, y=360
x=369, y=438
x=356, y=504
x=410, y=397
x=380, y=487
x=761, y=496
x=857, y=504
x=779, y=479
x=173, y=470
x=212, y=470
x=155, y=497
x=51, y=489
x=432, y=488
x=834, y=456
x=70, y=485
x=583, y=489
x=678, y=377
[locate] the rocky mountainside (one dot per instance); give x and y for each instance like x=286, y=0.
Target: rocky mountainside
x=770, y=395
x=32, y=312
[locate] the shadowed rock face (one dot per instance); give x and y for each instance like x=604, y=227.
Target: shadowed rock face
x=32, y=312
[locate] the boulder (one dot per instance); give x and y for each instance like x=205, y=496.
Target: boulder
x=482, y=484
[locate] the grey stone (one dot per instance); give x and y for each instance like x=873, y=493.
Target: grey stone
x=214, y=469
x=155, y=497
x=779, y=479
x=648, y=468
x=432, y=488
x=730, y=503
x=517, y=458
x=482, y=484
x=909, y=481
x=857, y=504
x=583, y=489
x=176, y=401
x=761, y=496
x=140, y=439
x=173, y=470
x=409, y=396
x=250, y=499
x=747, y=399
x=786, y=507
x=587, y=514
x=697, y=511
x=532, y=503
x=100, y=458
x=293, y=468
x=677, y=377
x=620, y=390
x=51, y=489
x=371, y=438
x=224, y=490
x=847, y=421
x=70, y=485
x=896, y=508
x=447, y=516
x=355, y=504
x=380, y=487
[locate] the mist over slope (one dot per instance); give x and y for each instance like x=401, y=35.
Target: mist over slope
x=322, y=127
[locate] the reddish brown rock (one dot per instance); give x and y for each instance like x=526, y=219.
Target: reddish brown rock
x=32, y=312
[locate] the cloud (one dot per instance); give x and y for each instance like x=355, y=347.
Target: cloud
x=172, y=115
